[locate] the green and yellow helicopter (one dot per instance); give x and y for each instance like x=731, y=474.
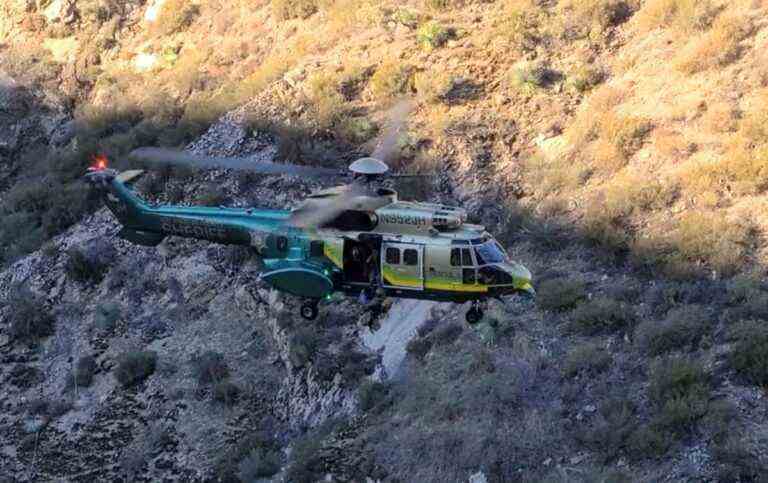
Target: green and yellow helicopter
x=358, y=239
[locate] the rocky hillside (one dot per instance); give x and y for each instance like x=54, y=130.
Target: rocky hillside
x=618, y=148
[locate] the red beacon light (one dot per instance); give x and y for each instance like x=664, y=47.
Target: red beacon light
x=100, y=163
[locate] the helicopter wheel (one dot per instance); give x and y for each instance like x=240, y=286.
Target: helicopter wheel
x=474, y=315
x=309, y=311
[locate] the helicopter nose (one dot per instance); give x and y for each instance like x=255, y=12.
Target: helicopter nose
x=522, y=279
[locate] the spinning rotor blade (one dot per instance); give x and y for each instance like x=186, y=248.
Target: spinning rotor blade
x=313, y=216
x=160, y=156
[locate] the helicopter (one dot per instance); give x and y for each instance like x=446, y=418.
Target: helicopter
x=358, y=239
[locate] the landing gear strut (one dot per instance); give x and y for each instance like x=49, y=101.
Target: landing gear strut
x=309, y=310
x=474, y=314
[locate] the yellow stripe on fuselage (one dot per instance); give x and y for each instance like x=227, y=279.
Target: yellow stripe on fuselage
x=332, y=252
x=392, y=278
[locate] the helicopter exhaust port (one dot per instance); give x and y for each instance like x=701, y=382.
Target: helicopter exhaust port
x=445, y=221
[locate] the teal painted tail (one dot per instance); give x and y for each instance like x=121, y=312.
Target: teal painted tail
x=127, y=207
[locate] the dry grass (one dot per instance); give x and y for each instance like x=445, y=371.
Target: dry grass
x=289, y=9
x=718, y=47
x=433, y=85
x=634, y=191
x=592, y=17
x=326, y=101
x=547, y=176
x=175, y=16
x=707, y=237
x=687, y=16
x=393, y=78
x=614, y=138
x=517, y=23
x=721, y=118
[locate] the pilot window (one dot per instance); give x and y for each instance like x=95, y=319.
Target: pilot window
x=393, y=256
x=466, y=257
x=461, y=257
x=410, y=257
x=455, y=257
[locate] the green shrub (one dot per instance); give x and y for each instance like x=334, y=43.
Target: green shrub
x=307, y=464
x=611, y=428
x=648, y=441
x=418, y=347
x=288, y=9
x=86, y=367
x=259, y=463
x=134, y=367
x=600, y=315
x=587, y=358
x=209, y=367
x=357, y=130
x=440, y=4
x=432, y=35
x=226, y=392
x=107, y=315
x=29, y=319
x=447, y=334
x=684, y=326
x=749, y=354
x=86, y=266
x=374, y=396
x=679, y=388
x=586, y=78
x=528, y=77
x=559, y=294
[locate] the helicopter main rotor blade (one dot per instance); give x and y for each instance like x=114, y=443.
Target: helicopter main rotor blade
x=160, y=156
x=313, y=216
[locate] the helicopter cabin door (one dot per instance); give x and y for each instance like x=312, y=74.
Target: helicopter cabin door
x=402, y=265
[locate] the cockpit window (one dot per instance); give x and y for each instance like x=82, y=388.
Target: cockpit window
x=493, y=275
x=489, y=252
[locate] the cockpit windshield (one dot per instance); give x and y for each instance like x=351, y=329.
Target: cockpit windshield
x=489, y=252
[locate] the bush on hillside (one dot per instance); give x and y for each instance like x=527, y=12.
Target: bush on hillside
x=288, y=9
x=588, y=358
x=749, y=354
x=602, y=314
x=258, y=464
x=134, y=367
x=90, y=263
x=175, y=16
x=106, y=317
x=209, y=367
x=84, y=370
x=560, y=294
x=680, y=390
x=432, y=35
x=226, y=392
x=29, y=319
x=392, y=79
x=684, y=326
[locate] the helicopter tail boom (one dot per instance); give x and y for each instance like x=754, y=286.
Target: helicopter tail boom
x=146, y=224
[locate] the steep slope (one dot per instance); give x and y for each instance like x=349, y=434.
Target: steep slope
x=617, y=148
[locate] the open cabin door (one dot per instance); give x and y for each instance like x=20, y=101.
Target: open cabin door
x=402, y=265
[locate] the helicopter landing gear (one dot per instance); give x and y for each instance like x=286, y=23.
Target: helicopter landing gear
x=309, y=310
x=474, y=314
